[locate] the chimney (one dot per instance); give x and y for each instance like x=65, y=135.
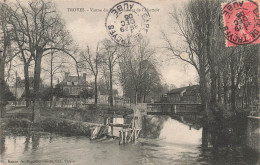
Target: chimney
x=84, y=76
x=66, y=75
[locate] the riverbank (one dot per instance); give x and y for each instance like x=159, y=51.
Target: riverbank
x=22, y=127
x=65, y=121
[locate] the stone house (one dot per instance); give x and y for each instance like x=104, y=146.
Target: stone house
x=73, y=85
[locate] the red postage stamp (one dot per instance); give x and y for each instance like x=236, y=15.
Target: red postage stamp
x=241, y=22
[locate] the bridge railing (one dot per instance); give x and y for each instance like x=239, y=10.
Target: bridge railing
x=180, y=108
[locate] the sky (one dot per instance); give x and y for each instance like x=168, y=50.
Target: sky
x=88, y=28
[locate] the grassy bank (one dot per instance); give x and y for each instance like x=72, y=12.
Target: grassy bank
x=20, y=126
x=66, y=121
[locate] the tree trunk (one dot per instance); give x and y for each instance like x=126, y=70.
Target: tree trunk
x=37, y=80
x=233, y=99
x=219, y=86
x=51, y=83
x=27, y=84
x=136, y=96
x=225, y=88
x=245, y=94
x=205, y=136
x=110, y=87
x=2, y=81
x=96, y=90
x=233, y=88
x=204, y=93
x=213, y=87
x=37, y=76
x=258, y=83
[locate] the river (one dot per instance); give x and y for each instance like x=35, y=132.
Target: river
x=177, y=145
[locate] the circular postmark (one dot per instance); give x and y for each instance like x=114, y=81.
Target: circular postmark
x=127, y=22
x=241, y=22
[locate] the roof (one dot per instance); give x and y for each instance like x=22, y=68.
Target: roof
x=177, y=90
x=189, y=89
x=74, y=79
x=192, y=90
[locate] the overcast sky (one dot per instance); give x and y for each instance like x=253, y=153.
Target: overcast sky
x=87, y=28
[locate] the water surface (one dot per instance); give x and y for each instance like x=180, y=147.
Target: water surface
x=175, y=145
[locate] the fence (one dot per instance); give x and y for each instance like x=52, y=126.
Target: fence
x=73, y=102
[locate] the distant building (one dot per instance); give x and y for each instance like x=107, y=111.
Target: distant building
x=18, y=89
x=73, y=85
x=189, y=94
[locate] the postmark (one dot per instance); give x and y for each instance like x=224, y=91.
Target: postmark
x=241, y=22
x=127, y=22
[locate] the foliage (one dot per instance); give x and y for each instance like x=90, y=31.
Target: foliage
x=138, y=74
x=8, y=95
x=86, y=93
x=59, y=92
x=46, y=94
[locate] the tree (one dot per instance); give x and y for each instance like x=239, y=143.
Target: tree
x=223, y=71
x=8, y=94
x=46, y=94
x=59, y=92
x=40, y=29
x=110, y=53
x=195, y=23
x=5, y=52
x=86, y=93
x=91, y=63
x=138, y=74
x=55, y=65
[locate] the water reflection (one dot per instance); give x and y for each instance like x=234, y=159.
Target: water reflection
x=177, y=133
x=2, y=149
x=35, y=142
x=176, y=144
x=26, y=143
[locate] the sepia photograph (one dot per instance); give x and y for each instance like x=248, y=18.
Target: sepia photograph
x=129, y=82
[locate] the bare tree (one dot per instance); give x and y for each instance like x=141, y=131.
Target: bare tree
x=195, y=23
x=110, y=53
x=220, y=69
x=5, y=43
x=138, y=74
x=55, y=65
x=91, y=62
x=6, y=50
x=41, y=28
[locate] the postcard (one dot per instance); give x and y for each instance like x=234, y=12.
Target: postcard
x=128, y=82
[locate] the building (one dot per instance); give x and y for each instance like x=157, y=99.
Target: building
x=73, y=85
x=18, y=89
x=189, y=94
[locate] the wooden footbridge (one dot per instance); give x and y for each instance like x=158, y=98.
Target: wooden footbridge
x=187, y=113
x=174, y=109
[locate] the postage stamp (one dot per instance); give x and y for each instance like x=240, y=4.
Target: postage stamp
x=241, y=23
x=127, y=22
